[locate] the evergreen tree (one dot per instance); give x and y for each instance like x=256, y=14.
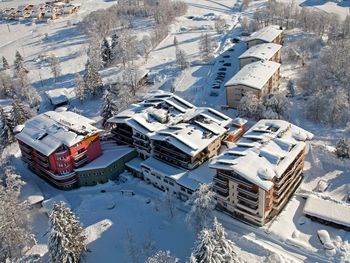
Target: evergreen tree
x=176, y=43
x=204, y=247
x=55, y=66
x=109, y=107
x=114, y=44
x=80, y=88
x=206, y=47
x=343, y=148
x=18, y=63
x=92, y=80
x=5, y=64
x=20, y=113
x=181, y=58
x=162, y=257
x=106, y=53
x=6, y=85
x=66, y=240
x=6, y=134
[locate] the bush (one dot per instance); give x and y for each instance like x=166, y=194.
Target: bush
x=343, y=148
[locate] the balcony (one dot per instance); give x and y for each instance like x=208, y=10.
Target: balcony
x=252, y=209
x=43, y=163
x=287, y=183
x=79, y=155
x=25, y=148
x=292, y=185
x=166, y=150
x=220, y=188
x=247, y=192
x=142, y=145
x=296, y=165
x=247, y=200
x=40, y=156
x=141, y=138
x=27, y=155
x=220, y=180
x=125, y=139
x=80, y=162
x=122, y=131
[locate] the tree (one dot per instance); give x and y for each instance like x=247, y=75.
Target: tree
x=20, y=113
x=343, y=148
x=15, y=234
x=162, y=257
x=291, y=88
x=175, y=42
x=6, y=133
x=203, y=203
x=25, y=91
x=109, y=107
x=131, y=77
x=106, y=53
x=55, y=66
x=66, y=239
x=225, y=248
x=220, y=25
x=18, y=63
x=5, y=64
x=249, y=106
x=7, y=86
x=181, y=58
x=146, y=46
x=206, y=47
x=80, y=88
x=126, y=48
x=204, y=247
x=92, y=80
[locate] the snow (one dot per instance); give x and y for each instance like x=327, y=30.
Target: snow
x=48, y=203
x=262, y=51
x=58, y=96
x=254, y=75
x=109, y=156
x=135, y=164
x=266, y=34
x=32, y=193
x=328, y=210
x=48, y=131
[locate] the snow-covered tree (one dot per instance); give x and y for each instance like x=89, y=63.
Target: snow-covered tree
x=131, y=77
x=15, y=234
x=126, y=49
x=109, y=106
x=6, y=134
x=181, y=58
x=18, y=63
x=291, y=88
x=275, y=106
x=7, y=86
x=80, y=88
x=106, y=53
x=162, y=257
x=203, y=203
x=204, y=247
x=220, y=25
x=225, y=248
x=146, y=46
x=192, y=259
x=20, y=113
x=5, y=64
x=66, y=239
x=55, y=66
x=92, y=79
x=249, y=106
x=343, y=148
x=25, y=91
x=206, y=47
x=175, y=42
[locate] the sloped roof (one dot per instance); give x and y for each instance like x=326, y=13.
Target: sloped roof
x=262, y=51
x=266, y=34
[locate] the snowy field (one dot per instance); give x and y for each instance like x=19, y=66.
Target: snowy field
x=111, y=219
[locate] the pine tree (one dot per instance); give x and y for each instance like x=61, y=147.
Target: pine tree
x=5, y=64
x=106, y=53
x=6, y=85
x=204, y=247
x=66, y=240
x=55, y=66
x=203, y=203
x=206, y=47
x=109, y=107
x=162, y=257
x=224, y=248
x=92, y=80
x=80, y=88
x=6, y=134
x=176, y=43
x=181, y=58
x=18, y=63
x=343, y=148
x=114, y=44
x=15, y=233
x=20, y=113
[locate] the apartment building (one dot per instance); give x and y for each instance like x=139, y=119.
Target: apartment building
x=257, y=176
x=172, y=130
x=259, y=78
x=54, y=144
x=261, y=52
x=269, y=34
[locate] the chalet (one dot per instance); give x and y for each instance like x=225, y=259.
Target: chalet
x=269, y=34
x=261, y=52
x=260, y=78
x=257, y=176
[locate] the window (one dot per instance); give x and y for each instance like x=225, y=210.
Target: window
x=60, y=158
x=171, y=183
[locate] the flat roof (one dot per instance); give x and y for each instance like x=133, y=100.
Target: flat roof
x=265, y=151
x=254, y=75
x=109, y=156
x=135, y=164
x=262, y=51
x=331, y=211
x=267, y=34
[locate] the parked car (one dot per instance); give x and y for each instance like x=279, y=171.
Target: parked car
x=231, y=49
x=222, y=69
x=216, y=86
x=227, y=64
x=220, y=78
x=221, y=61
x=325, y=239
x=221, y=73
x=235, y=40
x=226, y=56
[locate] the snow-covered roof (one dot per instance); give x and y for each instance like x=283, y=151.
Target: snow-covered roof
x=263, y=51
x=266, y=34
x=254, y=75
x=167, y=117
x=111, y=153
x=135, y=164
x=48, y=131
x=265, y=151
x=61, y=95
x=331, y=211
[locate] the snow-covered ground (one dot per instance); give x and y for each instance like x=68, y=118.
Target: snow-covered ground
x=116, y=217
